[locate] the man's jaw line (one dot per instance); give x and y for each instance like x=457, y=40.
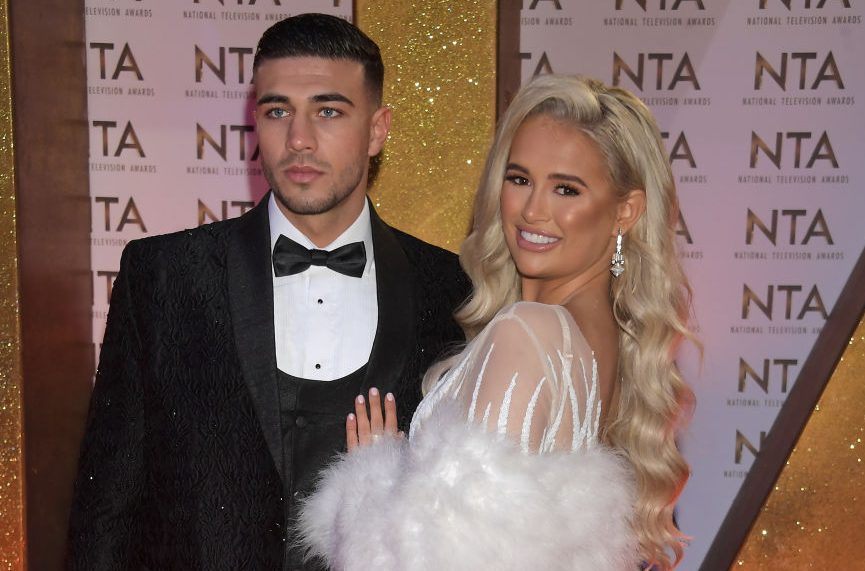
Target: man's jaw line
x=322, y=227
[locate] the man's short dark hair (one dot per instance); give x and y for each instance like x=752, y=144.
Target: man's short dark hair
x=323, y=36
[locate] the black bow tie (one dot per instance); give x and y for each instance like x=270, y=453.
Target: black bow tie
x=291, y=258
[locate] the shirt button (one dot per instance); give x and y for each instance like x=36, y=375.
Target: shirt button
x=300, y=421
x=318, y=365
x=320, y=301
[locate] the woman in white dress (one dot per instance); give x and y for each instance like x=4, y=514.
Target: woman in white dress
x=548, y=442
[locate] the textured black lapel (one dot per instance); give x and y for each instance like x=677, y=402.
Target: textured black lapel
x=395, y=334
x=250, y=293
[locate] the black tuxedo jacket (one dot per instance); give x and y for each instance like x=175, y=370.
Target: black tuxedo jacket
x=181, y=465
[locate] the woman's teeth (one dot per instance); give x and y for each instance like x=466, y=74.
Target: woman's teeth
x=537, y=238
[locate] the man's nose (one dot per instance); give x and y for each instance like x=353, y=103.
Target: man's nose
x=301, y=135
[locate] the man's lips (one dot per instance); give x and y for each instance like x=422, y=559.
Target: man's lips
x=302, y=174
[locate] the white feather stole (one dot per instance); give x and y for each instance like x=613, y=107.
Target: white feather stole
x=458, y=498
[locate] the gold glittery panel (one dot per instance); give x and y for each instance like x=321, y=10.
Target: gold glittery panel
x=440, y=81
x=11, y=452
x=814, y=518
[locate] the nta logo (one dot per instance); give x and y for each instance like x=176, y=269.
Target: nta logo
x=128, y=139
x=662, y=4
x=556, y=3
x=778, y=366
x=813, y=301
x=684, y=70
x=743, y=442
x=815, y=226
x=240, y=63
x=828, y=70
x=820, y=151
x=542, y=67
x=807, y=4
x=221, y=147
x=130, y=214
x=229, y=208
x=681, y=150
x=125, y=62
x=249, y=2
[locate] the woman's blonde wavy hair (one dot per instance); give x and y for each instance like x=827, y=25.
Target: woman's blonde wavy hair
x=651, y=300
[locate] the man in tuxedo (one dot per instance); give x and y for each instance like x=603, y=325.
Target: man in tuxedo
x=233, y=352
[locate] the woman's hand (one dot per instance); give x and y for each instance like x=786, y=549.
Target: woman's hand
x=361, y=429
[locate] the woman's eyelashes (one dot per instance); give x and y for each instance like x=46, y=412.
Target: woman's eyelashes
x=517, y=179
x=560, y=189
x=567, y=190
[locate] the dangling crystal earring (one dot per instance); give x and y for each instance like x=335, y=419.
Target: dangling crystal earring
x=617, y=265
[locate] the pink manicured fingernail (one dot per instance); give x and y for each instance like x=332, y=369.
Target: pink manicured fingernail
x=351, y=416
x=373, y=392
x=359, y=399
x=389, y=396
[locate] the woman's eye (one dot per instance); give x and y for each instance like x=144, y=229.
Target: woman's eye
x=566, y=190
x=517, y=180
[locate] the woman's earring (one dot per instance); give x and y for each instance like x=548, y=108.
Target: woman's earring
x=617, y=265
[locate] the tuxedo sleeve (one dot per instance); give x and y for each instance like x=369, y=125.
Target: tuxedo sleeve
x=110, y=483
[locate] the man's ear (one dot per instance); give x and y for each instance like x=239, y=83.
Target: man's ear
x=630, y=209
x=378, y=130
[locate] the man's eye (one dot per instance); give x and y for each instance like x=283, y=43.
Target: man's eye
x=277, y=113
x=329, y=113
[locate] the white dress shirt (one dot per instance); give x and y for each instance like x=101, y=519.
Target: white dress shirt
x=324, y=321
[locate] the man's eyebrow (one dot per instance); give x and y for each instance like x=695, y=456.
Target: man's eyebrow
x=320, y=98
x=271, y=98
x=331, y=97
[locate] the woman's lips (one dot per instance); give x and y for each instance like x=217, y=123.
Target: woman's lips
x=535, y=240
